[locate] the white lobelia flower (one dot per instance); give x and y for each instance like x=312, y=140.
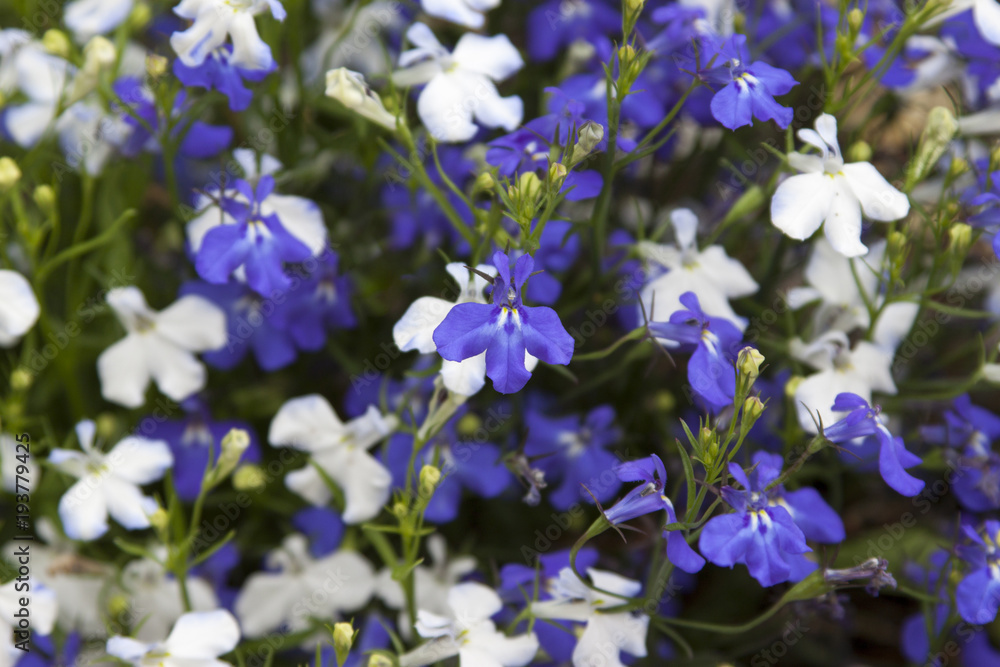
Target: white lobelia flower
x=350, y=89
x=77, y=582
x=158, y=346
x=711, y=274
x=87, y=18
x=42, y=78
x=154, y=595
x=573, y=600
x=833, y=193
x=360, y=44
x=859, y=370
x=42, y=613
x=109, y=483
x=468, y=632
x=214, y=20
x=415, y=330
x=197, y=640
x=468, y=13
x=303, y=588
x=460, y=85
x=309, y=423
x=985, y=14
x=430, y=583
x=843, y=299
x=18, y=307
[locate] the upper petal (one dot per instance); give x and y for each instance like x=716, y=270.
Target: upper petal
x=879, y=200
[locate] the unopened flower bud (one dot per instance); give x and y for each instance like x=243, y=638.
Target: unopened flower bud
x=859, y=151
x=749, y=362
x=379, y=660
x=485, y=182
x=249, y=477
x=56, y=42
x=159, y=519
x=10, y=173
x=590, y=135
x=350, y=89
x=557, y=174
x=529, y=185
x=400, y=510
x=140, y=16
x=233, y=445
x=941, y=128
x=21, y=379
x=959, y=237
x=430, y=476
x=343, y=640
x=99, y=53
x=855, y=19
x=753, y=408
x=106, y=425
x=156, y=65
x=45, y=198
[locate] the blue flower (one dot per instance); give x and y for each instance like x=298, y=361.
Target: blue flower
x=324, y=528
x=192, y=438
x=216, y=72
x=814, y=517
x=969, y=431
x=465, y=465
x=199, y=141
x=258, y=242
x=862, y=421
x=747, y=91
x=716, y=342
x=251, y=324
x=574, y=452
x=977, y=596
x=319, y=303
x=556, y=24
x=761, y=535
x=648, y=498
x=506, y=330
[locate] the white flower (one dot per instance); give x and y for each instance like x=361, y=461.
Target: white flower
x=158, y=346
x=154, y=596
x=460, y=85
x=350, y=89
x=468, y=13
x=468, y=632
x=309, y=423
x=87, y=18
x=606, y=634
x=359, y=44
x=859, y=370
x=430, y=584
x=42, y=611
x=711, y=274
x=109, y=483
x=77, y=582
x=214, y=20
x=842, y=306
x=415, y=330
x=833, y=192
x=18, y=307
x=303, y=588
x=41, y=77
x=197, y=640
x=89, y=135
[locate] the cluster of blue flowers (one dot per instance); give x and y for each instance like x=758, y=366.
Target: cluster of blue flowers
x=612, y=212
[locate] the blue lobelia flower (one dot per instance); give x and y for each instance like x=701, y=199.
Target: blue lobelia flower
x=257, y=242
x=555, y=24
x=324, y=528
x=216, y=72
x=814, y=517
x=252, y=323
x=465, y=466
x=574, y=452
x=648, y=498
x=863, y=420
x=200, y=140
x=969, y=432
x=716, y=342
x=506, y=330
x=747, y=90
x=319, y=303
x=761, y=535
x=977, y=596
x=192, y=438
